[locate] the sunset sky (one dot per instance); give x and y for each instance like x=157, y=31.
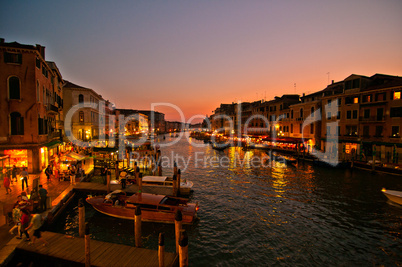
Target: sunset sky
x=198, y=54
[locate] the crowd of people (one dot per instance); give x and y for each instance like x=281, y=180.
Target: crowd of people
x=24, y=220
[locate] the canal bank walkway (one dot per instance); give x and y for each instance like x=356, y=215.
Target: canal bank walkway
x=56, y=190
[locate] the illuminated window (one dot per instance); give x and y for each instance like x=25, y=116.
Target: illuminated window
x=397, y=95
x=395, y=131
x=355, y=100
x=81, y=116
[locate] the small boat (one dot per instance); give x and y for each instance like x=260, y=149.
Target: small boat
x=284, y=159
x=394, y=196
x=220, y=146
x=261, y=146
x=167, y=182
x=154, y=208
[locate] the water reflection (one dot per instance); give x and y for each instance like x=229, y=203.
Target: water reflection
x=273, y=214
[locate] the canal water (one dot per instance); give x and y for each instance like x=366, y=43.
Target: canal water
x=254, y=212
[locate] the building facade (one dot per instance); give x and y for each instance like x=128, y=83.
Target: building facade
x=358, y=117
x=90, y=118
x=30, y=106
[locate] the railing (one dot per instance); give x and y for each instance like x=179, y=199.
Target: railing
x=53, y=135
x=51, y=107
x=372, y=118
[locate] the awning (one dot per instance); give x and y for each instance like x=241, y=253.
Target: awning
x=75, y=156
x=52, y=144
x=2, y=156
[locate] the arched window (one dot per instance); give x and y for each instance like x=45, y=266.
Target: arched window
x=14, y=88
x=17, y=124
x=81, y=98
x=312, y=111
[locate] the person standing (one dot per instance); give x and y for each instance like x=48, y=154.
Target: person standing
x=14, y=173
x=6, y=183
x=48, y=172
x=43, y=198
x=16, y=219
x=24, y=177
x=25, y=219
x=36, y=224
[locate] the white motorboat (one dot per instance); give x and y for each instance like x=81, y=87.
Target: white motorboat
x=164, y=181
x=393, y=195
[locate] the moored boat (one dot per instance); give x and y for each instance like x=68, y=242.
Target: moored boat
x=167, y=182
x=220, y=146
x=283, y=158
x=154, y=208
x=393, y=195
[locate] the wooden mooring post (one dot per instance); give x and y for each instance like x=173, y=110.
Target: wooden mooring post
x=178, y=181
x=183, y=250
x=87, y=247
x=174, y=187
x=178, y=222
x=159, y=169
x=175, y=168
x=108, y=181
x=140, y=183
x=161, y=250
x=137, y=226
x=81, y=218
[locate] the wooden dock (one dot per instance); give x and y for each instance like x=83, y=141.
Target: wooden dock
x=101, y=188
x=69, y=249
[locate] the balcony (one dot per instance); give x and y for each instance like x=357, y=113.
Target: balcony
x=372, y=119
x=52, y=109
x=54, y=135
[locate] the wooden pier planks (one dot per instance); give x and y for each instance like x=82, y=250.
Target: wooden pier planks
x=101, y=188
x=102, y=253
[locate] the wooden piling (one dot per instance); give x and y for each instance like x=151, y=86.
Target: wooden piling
x=159, y=169
x=183, y=251
x=117, y=169
x=178, y=181
x=374, y=154
x=175, y=168
x=137, y=226
x=161, y=250
x=137, y=175
x=178, y=222
x=81, y=217
x=174, y=187
x=108, y=180
x=140, y=183
x=87, y=247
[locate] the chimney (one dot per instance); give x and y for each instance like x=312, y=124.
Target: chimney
x=332, y=81
x=41, y=50
x=2, y=40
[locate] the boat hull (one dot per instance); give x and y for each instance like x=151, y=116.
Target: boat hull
x=394, y=196
x=128, y=212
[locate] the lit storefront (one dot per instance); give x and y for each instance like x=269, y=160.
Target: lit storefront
x=18, y=157
x=43, y=157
